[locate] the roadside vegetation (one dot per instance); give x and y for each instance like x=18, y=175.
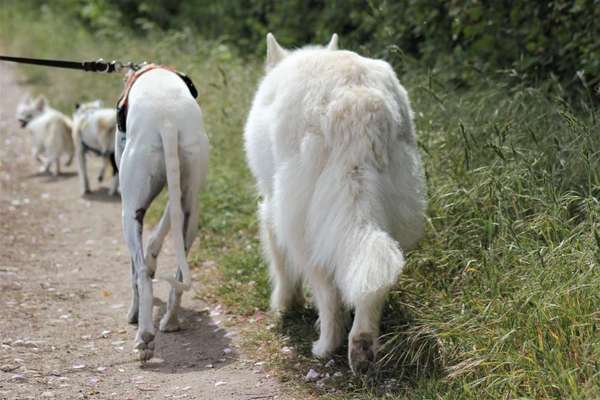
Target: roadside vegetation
x=502, y=298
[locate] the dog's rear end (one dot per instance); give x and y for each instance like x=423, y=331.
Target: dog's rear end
x=331, y=142
x=94, y=130
x=165, y=144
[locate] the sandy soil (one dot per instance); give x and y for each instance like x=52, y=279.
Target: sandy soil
x=64, y=293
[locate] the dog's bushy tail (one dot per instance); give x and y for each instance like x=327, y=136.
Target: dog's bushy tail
x=374, y=262
x=170, y=141
x=352, y=232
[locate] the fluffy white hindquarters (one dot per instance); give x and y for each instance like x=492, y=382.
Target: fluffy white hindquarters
x=331, y=143
x=348, y=223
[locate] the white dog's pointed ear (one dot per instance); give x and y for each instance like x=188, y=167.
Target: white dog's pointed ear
x=333, y=43
x=40, y=103
x=275, y=53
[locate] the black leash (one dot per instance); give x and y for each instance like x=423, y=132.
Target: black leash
x=92, y=66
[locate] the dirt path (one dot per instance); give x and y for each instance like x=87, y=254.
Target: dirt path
x=64, y=293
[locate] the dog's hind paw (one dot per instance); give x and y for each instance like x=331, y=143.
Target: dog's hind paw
x=132, y=315
x=169, y=323
x=361, y=353
x=322, y=349
x=144, y=344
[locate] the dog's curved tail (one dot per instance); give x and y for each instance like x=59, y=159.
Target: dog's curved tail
x=170, y=140
x=348, y=222
x=374, y=261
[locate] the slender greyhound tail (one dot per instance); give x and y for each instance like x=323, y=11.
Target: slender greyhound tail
x=169, y=135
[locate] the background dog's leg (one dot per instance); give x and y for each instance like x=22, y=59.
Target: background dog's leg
x=45, y=168
x=70, y=152
x=102, y=169
x=57, y=164
x=363, y=338
x=331, y=313
x=132, y=315
x=37, y=155
x=82, y=169
x=114, y=186
x=287, y=288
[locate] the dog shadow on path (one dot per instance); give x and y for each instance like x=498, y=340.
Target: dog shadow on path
x=200, y=345
x=47, y=177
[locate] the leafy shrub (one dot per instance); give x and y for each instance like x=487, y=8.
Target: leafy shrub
x=553, y=41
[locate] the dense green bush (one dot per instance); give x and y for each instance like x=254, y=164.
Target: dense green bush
x=531, y=41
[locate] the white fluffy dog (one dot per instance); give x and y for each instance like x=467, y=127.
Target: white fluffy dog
x=94, y=131
x=330, y=140
x=165, y=143
x=51, y=132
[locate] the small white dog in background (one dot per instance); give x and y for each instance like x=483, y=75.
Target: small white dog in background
x=94, y=131
x=331, y=142
x=51, y=132
x=164, y=143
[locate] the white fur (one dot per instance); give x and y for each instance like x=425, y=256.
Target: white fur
x=50, y=129
x=330, y=140
x=94, y=129
x=165, y=143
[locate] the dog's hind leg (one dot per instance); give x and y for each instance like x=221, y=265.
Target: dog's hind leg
x=287, y=287
x=156, y=240
x=141, y=190
x=364, y=335
x=133, y=218
x=114, y=186
x=169, y=322
x=82, y=169
x=331, y=313
x=57, y=166
x=102, y=169
x=134, y=308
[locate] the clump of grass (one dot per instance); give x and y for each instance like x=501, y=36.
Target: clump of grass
x=501, y=299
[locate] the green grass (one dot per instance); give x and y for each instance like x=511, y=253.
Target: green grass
x=502, y=298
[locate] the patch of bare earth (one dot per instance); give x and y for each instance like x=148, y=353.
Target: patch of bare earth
x=65, y=290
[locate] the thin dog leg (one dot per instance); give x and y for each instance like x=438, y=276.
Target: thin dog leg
x=103, y=169
x=115, y=180
x=82, y=169
x=156, y=240
x=132, y=226
x=132, y=315
x=136, y=200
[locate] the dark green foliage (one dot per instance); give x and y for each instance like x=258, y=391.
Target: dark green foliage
x=530, y=41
